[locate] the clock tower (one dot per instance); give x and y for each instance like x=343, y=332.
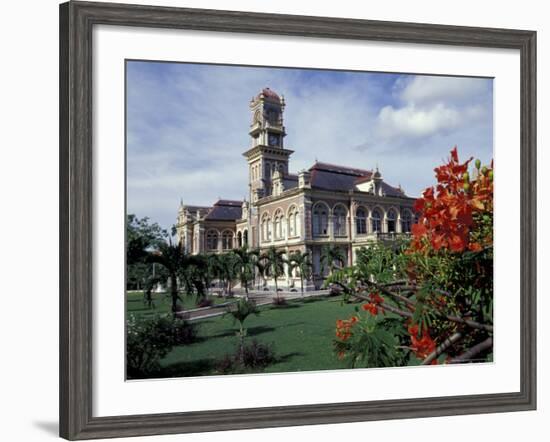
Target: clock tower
x=267, y=153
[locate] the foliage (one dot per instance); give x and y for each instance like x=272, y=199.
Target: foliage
x=332, y=258
x=280, y=301
x=437, y=291
x=274, y=265
x=204, y=302
x=240, y=311
x=149, y=340
x=245, y=266
x=302, y=262
x=141, y=237
x=253, y=357
x=173, y=258
x=370, y=341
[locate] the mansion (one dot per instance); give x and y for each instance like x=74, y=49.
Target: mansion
x=342, y=206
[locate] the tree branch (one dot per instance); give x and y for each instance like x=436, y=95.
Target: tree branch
x=442, y=347
x=476, y=349
x=390, y=293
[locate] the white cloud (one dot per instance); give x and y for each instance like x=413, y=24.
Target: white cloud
x=423, y=89
x=417, y=122
x=189, y=127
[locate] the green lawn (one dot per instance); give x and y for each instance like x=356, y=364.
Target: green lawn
x=162, y=302
x=301, y=333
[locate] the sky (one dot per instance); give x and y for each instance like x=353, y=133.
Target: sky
x=187, y=127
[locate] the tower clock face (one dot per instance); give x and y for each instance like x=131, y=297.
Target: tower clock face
x=273, y=139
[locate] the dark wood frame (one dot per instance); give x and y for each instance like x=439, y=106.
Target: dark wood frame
x=76, y=23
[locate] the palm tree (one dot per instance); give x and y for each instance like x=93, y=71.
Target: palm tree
x=332, y=257
x=148, y=287
x=173, y=258
x=275, y=265
x=245, y=265
x=240, y=311
x=227, y=274
x=261, y=267
x=301, y=261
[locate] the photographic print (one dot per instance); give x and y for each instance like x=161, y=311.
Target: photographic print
x=289, y=219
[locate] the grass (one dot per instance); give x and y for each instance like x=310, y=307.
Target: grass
x=162, y=302
x=301, y=334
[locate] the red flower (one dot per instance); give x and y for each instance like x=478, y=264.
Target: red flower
x=376, y=298
x=422, y=346
x=343, y=327
x=448, y=212
x=370, y=307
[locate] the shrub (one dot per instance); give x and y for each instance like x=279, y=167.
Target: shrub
x=255, y=357
x=280, y=301
x=151, y=339
x=204, y=302
x=258, y=355
x=183, y=332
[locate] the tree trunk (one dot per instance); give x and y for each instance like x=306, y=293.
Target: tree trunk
x=276, y=287
x=241, y=349
x=174, y=292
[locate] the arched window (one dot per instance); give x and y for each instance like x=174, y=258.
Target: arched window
x=227, y=240
x=279, y=225
x=245, y=238
x=239, y=239
x=266, y=228
x=361, y=221
x=267, y=170
x=392, y=220
x=282, y=169
x=376, y=221
x=293, y=222
x=339, y=221
x=406, y=221
x=212, y=240
x=320, y=220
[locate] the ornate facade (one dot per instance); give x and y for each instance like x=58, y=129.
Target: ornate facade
x=326, y=204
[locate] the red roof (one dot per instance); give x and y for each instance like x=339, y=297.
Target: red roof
x=341, y=169
x=268, y=93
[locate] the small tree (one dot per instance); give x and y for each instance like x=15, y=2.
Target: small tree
x=240, y=311
x=227, y=271
x=275, y=261
x=245, y=266
x=333, y=258
x=301, y=261
x=173, y=258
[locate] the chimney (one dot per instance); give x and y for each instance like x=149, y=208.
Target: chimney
x=304, y=179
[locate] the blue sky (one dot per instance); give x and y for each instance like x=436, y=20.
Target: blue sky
x=187, y=127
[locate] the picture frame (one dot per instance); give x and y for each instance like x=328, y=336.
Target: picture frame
x=77, y=20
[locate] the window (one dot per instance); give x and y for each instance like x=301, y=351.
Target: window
x=227, y=240
x=293, y=222
x=376, y=221
x=245, y=238
x=361, y=221
x=212, y=240
x=320, y=220
x=279, y=234
x=266, y=228
x=392, y=221
x=406, y=221
x=339, y=221
x=239, y=239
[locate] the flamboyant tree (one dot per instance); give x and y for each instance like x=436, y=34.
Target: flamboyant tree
x=432, y=300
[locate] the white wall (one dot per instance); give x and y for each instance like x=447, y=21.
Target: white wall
x=28, y=174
